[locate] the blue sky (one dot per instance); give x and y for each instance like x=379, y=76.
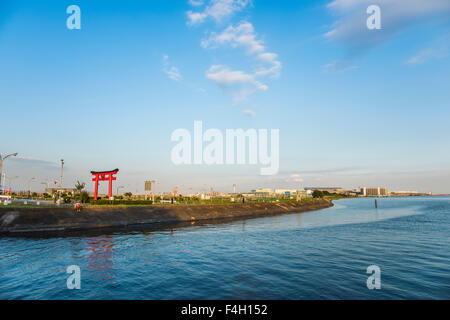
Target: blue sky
x=355, y=107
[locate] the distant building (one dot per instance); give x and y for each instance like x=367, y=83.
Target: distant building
x=263, y=192
x=60, y=190
x=406, y=193
x=284, y=191
x=205, y=196
x=374, y=192
x=329, y=189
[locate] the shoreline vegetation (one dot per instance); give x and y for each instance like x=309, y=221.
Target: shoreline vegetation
x=22, y=221
x=47, y=200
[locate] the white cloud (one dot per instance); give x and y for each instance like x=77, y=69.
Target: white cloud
x=196, y=17
x=272, y=59
x=295, y=178
x=243, y=35
x=235, y=82
x=217, y=10
x=238, y=83
x=249, y=112
x=171, y=71
x=196, y=3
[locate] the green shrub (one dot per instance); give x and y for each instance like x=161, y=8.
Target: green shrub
x=84, y=197
x=122, y=202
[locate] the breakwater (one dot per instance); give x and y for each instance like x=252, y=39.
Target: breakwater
x=17, y=221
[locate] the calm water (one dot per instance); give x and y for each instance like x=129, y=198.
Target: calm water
x=314, y=255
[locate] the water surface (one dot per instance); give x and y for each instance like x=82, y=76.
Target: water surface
x=314, y=255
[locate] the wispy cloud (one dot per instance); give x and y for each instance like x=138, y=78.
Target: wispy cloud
x=236, y=83
x=28, y=161
x=296, y=177
x=196, y=3
x=350, y=27
x=421, y=57
x=274, y=65
x=284, y=180
x=243, y=35
x=218, y=10
x=340, y=65
x=241, y=84
x=171, y=71
x=438, y=50
x=249, y=113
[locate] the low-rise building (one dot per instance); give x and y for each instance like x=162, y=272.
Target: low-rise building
x=329, y=189
x=263, y=192
x=285, y=191
x=406, y=193
x=60, y=190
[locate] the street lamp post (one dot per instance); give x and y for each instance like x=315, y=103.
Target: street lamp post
x=153, y=190
x=29, y=186
x=8, y=180
x=46, y=183
x=62, y=167
x=1, y=167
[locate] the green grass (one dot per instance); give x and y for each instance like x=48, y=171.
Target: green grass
x=125, y=204
x=21, y=205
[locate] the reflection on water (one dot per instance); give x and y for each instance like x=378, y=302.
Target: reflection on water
x=314, y=255
x=100, y=257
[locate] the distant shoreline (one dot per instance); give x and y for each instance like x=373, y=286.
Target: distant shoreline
x=58, y=221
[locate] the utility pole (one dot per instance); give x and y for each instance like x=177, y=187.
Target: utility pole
x=8, y=180
x=153, y=190
x=3, y=182
x=62, y=167
x=1, y=167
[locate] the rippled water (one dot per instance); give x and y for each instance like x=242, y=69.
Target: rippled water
x=314, y=255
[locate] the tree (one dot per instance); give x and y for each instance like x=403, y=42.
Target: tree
x=80, y=186
x=128, y=194
x=84, y=197
x=317, y=194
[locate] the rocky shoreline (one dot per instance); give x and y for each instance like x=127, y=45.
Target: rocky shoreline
x=26, y=221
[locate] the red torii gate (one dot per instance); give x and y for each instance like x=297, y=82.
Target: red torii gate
x=104, y=176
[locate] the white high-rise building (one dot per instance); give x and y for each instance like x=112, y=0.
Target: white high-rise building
x=374, y=192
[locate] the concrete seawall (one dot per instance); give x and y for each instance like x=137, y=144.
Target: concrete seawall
x=15, y=221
